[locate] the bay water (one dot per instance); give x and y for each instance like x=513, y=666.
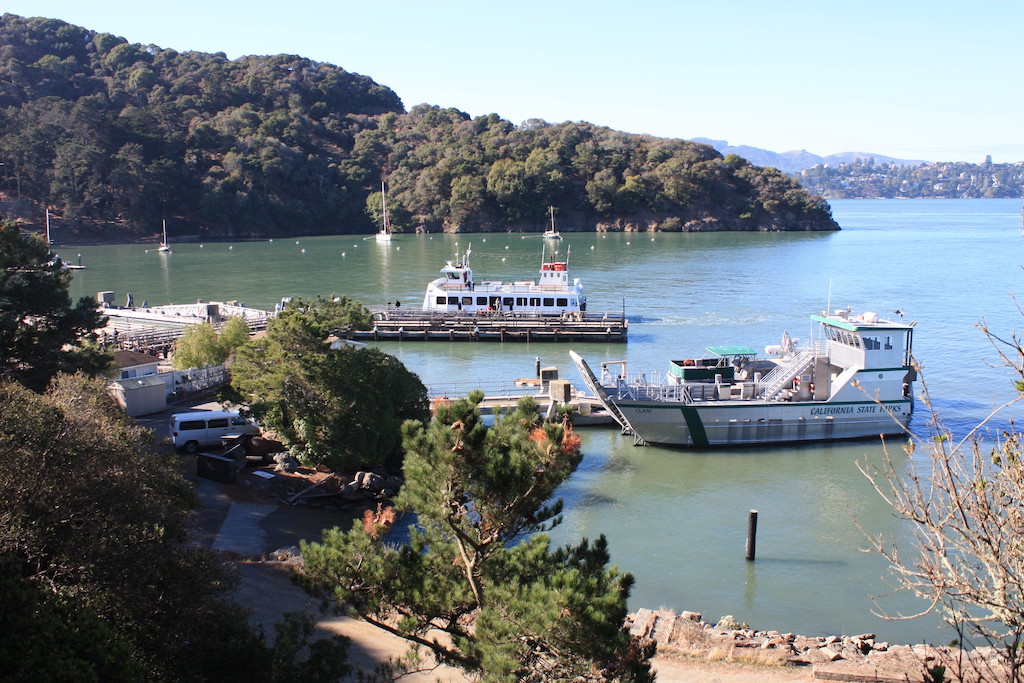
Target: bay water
x=677, y=519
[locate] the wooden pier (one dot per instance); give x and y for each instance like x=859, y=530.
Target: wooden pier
x=394, y=325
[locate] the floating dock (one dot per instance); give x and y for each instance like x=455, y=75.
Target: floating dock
x=395, y=325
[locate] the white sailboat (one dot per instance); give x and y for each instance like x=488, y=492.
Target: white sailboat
x=165, y=247
x=551, y=233
x=384, y=235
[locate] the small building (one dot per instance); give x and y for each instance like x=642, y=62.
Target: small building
x=135, y=364
x=139, y=395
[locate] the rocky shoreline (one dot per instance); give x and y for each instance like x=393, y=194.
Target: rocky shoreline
x=846, y=658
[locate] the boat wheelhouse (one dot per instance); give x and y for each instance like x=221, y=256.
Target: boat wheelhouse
x=553, y=293
x=854, y=381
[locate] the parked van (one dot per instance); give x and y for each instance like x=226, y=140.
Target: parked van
x=193, y=431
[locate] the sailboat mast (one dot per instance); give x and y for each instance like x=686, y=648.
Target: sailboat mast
x=384, y=205
x=48, y=227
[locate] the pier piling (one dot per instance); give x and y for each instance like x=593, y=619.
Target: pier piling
x=751, y=535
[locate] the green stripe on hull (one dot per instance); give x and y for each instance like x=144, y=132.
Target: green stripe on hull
x=696, y=426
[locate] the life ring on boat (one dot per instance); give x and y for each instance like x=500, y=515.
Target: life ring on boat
x=688, y=362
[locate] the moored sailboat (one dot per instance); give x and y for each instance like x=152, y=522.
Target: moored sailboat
x=385, y=229
x=165, y=246
x=551, y=233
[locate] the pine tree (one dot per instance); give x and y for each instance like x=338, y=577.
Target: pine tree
x=478, y=584
x=41, y=332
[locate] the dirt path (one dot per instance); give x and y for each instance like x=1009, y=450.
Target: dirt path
x=266, y=588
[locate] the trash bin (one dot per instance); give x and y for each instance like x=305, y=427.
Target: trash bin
x=218, y=467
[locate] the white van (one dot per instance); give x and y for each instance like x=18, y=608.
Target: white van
x=201, y=429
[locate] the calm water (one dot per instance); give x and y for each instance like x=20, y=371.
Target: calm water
x=677, y=519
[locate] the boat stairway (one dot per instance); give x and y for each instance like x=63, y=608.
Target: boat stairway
x=783, y=375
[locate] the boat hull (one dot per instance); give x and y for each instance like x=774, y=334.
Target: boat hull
x=744, y=424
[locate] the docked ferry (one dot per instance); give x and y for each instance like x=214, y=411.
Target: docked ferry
x=551, y=294
x=854, y=381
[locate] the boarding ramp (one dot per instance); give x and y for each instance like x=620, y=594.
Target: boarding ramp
x=595, y=386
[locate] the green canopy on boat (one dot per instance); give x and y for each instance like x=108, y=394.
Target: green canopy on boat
x=732, y=350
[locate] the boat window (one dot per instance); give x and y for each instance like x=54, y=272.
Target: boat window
x=549, y=301
x=452, y=276
x=561, y=302
x=467, y=301
x=520, y=301
x=441, y=301
x=507, y=301
x=452, y=300
x=888, y=343
x=481, y=301
x=535, y=301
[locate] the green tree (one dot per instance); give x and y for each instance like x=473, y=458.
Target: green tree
x=41, y=332
x=234, y=334
x=477, y=570
x=203, y=345
x=198, y=347
x=338, y=407
x=98, y=581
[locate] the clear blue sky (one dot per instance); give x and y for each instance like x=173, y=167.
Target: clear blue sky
x=934, y=80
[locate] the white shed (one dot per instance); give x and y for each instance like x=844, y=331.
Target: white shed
x=139, y=395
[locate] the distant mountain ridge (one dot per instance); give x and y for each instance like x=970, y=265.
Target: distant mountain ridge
x=798, y=160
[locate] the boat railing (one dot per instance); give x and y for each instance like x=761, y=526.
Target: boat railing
x=784, y=373
x=640, y=386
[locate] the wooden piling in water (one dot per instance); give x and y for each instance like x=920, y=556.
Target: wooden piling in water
x=751, y=535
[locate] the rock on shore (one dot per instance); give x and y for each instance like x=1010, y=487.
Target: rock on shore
x=687, y=635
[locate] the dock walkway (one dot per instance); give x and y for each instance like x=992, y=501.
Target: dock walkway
x=399, y=325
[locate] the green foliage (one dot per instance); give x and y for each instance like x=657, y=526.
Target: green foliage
x=234, y=334
x=198, y=347
x=476, y=568
x=118, y=133
x=342, y=408
x=98, y=582
x=41, y=332
x=203, y=345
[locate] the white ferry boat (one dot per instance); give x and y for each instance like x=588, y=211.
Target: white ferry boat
x=854, y=381
x=552, y=294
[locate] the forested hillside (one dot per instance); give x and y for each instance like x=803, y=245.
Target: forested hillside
x=114, y=137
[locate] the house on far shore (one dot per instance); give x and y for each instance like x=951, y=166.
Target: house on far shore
x=133, y=364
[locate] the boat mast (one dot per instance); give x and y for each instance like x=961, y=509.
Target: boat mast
x=48, y=226
x=384, y=207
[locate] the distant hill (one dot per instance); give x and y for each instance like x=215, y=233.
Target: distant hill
x=798, y=160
